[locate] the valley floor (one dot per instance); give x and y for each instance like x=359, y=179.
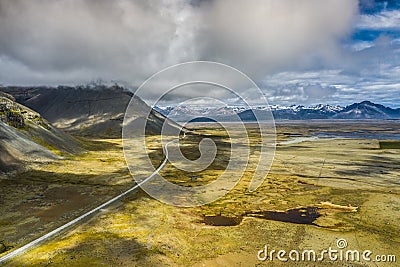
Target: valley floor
x=351, y=184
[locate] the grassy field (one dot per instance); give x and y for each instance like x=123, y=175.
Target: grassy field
x=316, y=193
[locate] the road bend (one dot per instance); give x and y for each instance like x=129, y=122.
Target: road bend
x=43, y=238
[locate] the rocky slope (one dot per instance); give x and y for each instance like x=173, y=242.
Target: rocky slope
x=26, y=137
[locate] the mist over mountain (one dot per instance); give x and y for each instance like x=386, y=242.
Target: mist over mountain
x=362, y=110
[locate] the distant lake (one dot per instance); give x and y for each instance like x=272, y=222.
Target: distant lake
x=355, y=129
x=358, y=135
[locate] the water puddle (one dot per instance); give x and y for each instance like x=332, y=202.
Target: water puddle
x=359, y=135
x=305, y=215
x=219, y=220
x=300, y=215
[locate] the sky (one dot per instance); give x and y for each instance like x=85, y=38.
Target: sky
x=298, y=52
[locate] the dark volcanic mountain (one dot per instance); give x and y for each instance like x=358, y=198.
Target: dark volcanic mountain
x=86, y=110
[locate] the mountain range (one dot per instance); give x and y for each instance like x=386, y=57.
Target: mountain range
x=37, y=124
x=356, y=111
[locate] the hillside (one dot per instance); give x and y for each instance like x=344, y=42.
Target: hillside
x=26, y=137
x=86, y=110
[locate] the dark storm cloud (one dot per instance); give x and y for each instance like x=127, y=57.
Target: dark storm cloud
x=103, y=37
x=70, y=41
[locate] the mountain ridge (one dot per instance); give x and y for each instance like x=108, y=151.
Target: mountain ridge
x=91, y=110
x=361, y=110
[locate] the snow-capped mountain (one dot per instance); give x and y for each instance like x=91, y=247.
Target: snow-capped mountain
x=368, y=110
x=362, y=110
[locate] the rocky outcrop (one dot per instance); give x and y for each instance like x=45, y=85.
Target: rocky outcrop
x=26, y=137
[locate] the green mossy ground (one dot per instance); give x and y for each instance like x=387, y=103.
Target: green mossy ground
x=389, y=145
x=353, y=183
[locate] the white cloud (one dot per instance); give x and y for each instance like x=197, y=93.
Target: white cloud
x=300, y=92
x=360, y=45
x=382, y=20
x=264, y=36
x=376, y=82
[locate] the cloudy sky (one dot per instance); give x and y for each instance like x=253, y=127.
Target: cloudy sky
x=298, y=52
